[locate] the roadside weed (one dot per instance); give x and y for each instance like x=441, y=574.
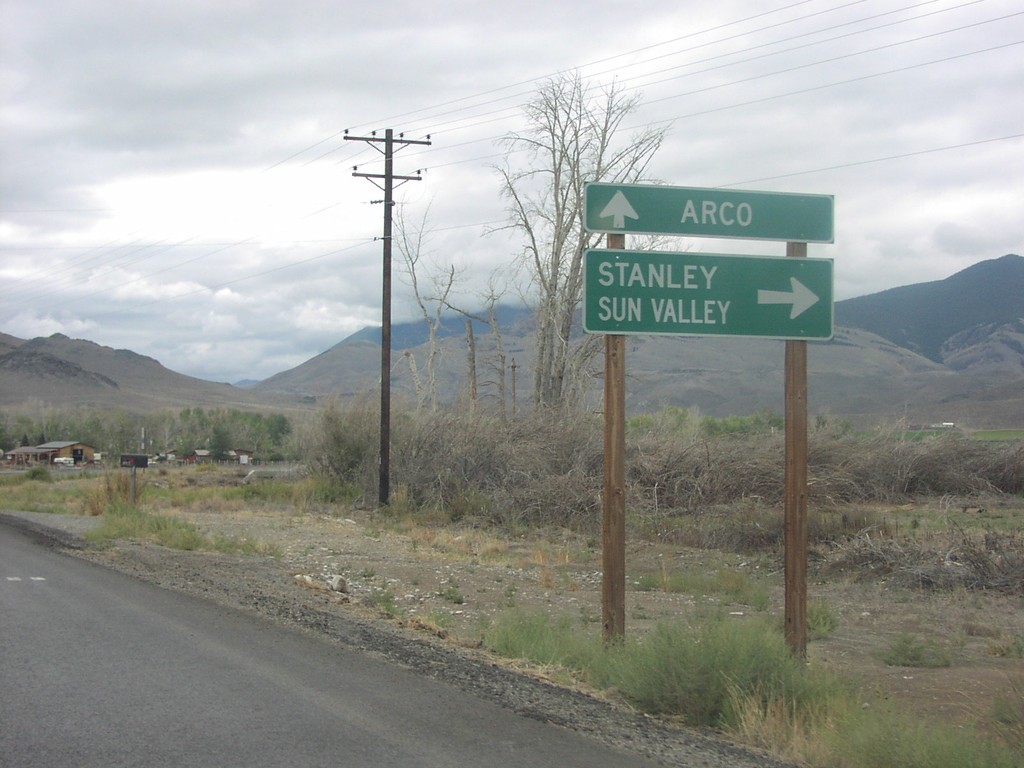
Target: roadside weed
x=822, y=621
x=910, y=651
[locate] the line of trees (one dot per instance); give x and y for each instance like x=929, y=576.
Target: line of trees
x=219, y=430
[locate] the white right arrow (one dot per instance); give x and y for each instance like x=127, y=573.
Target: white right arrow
x=801, y=297
x=619, y=208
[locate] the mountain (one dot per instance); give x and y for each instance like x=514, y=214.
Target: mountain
x=413, y=334
x=352, y=366
x=9, y=343
x=66, y=371
x=994, y=347
x=347, y=368
x=949, y=350
x=939, y=319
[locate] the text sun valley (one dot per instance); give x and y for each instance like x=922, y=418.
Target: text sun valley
x=681, y=277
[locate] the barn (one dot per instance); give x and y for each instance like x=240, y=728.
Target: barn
x=80, y=453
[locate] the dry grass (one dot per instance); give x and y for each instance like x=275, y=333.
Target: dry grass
x=474, y=544
x=1008, y=713
x=113, y=488
x=546, y=470
x=990, y=561
x=786, y=730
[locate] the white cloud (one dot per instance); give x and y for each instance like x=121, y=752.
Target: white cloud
x=173, y=178
x=30, y=325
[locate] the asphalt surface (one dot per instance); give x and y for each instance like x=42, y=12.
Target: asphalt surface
x=100, y=669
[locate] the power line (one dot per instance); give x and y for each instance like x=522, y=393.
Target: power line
x=887, y=158
x=227, y=283
x=534, y=80
x=471, y=113
x=500, y=114
x=437, y=128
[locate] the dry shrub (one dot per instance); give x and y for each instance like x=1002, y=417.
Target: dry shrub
x=114, y=488
x=546, y=468
x=535, y=470
x=740, y=528
x=669, y=474
x=960, y=560
x=346, y=444
x=750, y=526
x=886, y=467
x=666, y=473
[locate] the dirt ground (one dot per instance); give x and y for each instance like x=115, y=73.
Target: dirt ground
x=456, y=581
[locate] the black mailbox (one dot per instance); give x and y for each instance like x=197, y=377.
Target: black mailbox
x=134, y=460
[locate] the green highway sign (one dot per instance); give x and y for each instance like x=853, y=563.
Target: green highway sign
x=702, y=294
x=739, y=214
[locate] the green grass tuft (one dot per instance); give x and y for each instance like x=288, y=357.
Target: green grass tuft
x=40, y=473
x=696, y=673
x=879, y=736
x=740, y=676
x=123, y=521
x=822, y=621
x=730, y=585
x=909, y=651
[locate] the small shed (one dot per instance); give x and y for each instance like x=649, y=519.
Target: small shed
x=26, y=456
x=242, y=455
x=198, y=456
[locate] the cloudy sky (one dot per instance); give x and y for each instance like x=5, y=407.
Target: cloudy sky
x=173, y=177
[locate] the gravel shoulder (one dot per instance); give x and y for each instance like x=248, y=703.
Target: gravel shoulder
x=292, y=589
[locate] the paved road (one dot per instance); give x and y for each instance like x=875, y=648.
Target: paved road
x=98, y=669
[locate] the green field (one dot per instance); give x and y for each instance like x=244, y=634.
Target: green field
x=998, y=434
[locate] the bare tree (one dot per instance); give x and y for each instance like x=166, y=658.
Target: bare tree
x=572, y=137
x=491, y=300
x=411, y=242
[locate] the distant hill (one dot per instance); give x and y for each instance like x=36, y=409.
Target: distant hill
x=948, y=350
x=413, y=334
x=352, y=366
x=8, y=343
x=937, y=319
x=65, y=371
x=345, y=369
x=942, y=351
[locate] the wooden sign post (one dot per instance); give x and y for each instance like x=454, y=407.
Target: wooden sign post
x=639, y=292
x=613, y=585
x=796, y=486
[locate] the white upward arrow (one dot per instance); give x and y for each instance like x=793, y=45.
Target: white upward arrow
x=620, y=208
x=801, y=297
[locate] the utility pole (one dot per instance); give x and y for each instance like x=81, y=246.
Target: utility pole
x=388, y=186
